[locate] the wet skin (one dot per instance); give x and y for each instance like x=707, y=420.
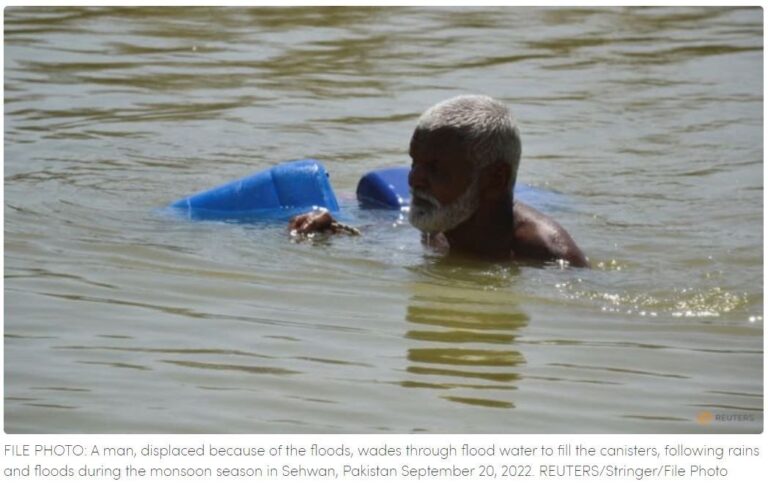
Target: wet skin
x=500, y=229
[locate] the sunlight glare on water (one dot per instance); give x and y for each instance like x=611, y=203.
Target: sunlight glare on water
x=646, y=122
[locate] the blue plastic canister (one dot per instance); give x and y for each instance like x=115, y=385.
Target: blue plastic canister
x=385, y=188
x=282, y=190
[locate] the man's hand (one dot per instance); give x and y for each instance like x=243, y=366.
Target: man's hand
x=319, y=221
x=314, y=221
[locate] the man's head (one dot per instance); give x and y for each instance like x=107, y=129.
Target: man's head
x=464, y=150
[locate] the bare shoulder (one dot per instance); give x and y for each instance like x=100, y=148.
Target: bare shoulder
x=538, y=236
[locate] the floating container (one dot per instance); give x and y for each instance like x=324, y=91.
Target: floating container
x=281, y=191
x=385, y=188
x=296, y=187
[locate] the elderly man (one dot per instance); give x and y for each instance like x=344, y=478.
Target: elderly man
x=465, y=153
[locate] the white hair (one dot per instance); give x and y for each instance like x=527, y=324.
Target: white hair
x=439, y=217
x=485, y=125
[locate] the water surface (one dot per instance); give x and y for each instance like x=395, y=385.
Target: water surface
x=119, y=319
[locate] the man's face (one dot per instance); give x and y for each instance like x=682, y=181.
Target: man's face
x=443, y=189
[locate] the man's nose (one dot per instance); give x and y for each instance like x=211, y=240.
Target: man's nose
x=417, y=177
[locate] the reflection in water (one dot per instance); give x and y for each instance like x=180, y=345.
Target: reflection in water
x=645, y=121
x=462, y=344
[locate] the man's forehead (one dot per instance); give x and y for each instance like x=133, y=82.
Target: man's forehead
x=433, y=141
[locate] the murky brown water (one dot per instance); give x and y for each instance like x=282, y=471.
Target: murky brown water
x=119, y=319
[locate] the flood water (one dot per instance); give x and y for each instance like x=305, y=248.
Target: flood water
x=118, y=318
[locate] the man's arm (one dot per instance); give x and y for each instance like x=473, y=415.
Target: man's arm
x=539, y=236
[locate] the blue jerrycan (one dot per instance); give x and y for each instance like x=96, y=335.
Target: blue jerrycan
x=279, y=192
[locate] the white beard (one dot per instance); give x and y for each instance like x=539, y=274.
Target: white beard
x=441, y=218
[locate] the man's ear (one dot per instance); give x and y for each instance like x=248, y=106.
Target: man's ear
x=494, y=180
